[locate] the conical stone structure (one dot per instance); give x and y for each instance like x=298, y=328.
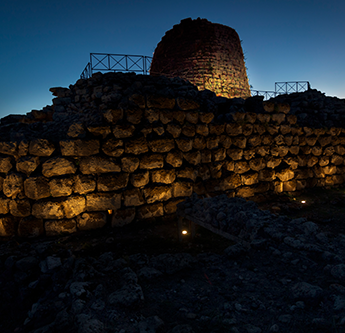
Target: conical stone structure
x=209, y=55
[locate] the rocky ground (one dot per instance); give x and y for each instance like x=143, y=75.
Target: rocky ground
x=141, y=279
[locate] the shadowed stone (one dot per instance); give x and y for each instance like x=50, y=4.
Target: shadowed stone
x=113, y=148
x=211, y=143
x=102, y=131
x=140, y=179
x=182, y=189
x=107, y=183
x=113, y=115
x=160, y=102
x=91, y=220
x=5, y=164
x=30, y=227
x=134, y=115
x=166, y=116
x=79, y=147
x=163, y=176
x=4, y=205
x=158, y=193
x=129, y=164
x=161, y=145
x=122, y=217
x=174, y=130
x=193, y=157
x=188, y=130
x=202, y=129
x=20, y=208
x=60, y=227
x=206, y=117
x=103, y=201
x=37, y=188
x=184, y=144
x=148, y=211
x=133, y=197
x=8, y=148
x=187, y=104
x=136, y=146
x=7, y=227
x=123, y=131
x=41, y=147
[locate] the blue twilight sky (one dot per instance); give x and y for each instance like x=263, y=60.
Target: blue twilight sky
x=47, y=43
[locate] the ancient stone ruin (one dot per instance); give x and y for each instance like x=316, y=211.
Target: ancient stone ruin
x=129, y=147
x=208, y=55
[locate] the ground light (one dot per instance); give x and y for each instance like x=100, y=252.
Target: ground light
x=303, y=201
x=184, y=232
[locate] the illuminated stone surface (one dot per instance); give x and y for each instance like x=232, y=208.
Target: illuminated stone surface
x=207, y=54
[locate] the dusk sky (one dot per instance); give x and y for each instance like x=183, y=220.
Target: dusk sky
x=47, y=43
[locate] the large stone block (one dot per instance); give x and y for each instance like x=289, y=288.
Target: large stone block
x=193, y=157
x=48, y=210
x=5, y=164
x=41, y=147
x=4, y=205
x=245, y=191
x=27, y=164
x=140, y=179
x=122, y=217
x=134, y=115
x=174, y=130
x=129, y=164
x=187, y=104
x=262, y=150
x=267, y=175
x=60, y=187
x=7, y=226
x=30, y=226
x=174, y=158
x=8, y=148
x=98, y=164
x=113, y=148
x=171, y=206
x=202, y=129
x=152, y=115
x=165, y=116
x=212, y=142
x=102, y=131
x=20, y=208
x=206, y=117
x=184, y=144
x=136, y=146
x=83, y=184
x=161, y=145
x=257, y=164
x=182, y=189
x=153, y=161
x=157, y=193
x=189, y=173
x=79, y=147
x=285, y=175
x=123, y=131
x=113, y=115
x=192, y=117
x=60, y=227
x=240, y=142
x=233, y=129
x=163, y=176
x=241, y=167
x=199, y=143
x=37, y=188
x=106, y=183
x=13, y=185
x=149, y=211
x=58, y=166
x=133, y=197
x=160, y=102
x=103, y=201
x=91, y=220
x=235, y=154
x=188, y=130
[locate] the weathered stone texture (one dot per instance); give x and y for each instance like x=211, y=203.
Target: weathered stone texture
x=91, y=220
x=60, y=227
x=41, y=147
x=13, y=185
x=103, y=201
x=98, y=164
x=37, y=187
x=79, y=147
x=58, y=166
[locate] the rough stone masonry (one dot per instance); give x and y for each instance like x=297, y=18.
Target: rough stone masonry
x=138, y=145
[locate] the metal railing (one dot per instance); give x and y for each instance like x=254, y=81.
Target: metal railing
x=266, y=94
x=106, y=62
x=291, y=87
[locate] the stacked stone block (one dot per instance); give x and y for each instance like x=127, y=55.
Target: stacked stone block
x=150, y=154
x=206, y=54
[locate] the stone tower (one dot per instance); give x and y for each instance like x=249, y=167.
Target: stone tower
x=209, y=55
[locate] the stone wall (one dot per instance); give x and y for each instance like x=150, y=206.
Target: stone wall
x=207, y=54
x=137, y=145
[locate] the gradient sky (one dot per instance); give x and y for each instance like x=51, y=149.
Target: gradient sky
x=47, y=43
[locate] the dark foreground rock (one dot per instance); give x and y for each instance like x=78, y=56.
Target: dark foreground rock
x=291, y=279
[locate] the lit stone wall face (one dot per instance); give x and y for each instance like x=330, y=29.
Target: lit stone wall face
x=137, y=145
x=208, y=55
